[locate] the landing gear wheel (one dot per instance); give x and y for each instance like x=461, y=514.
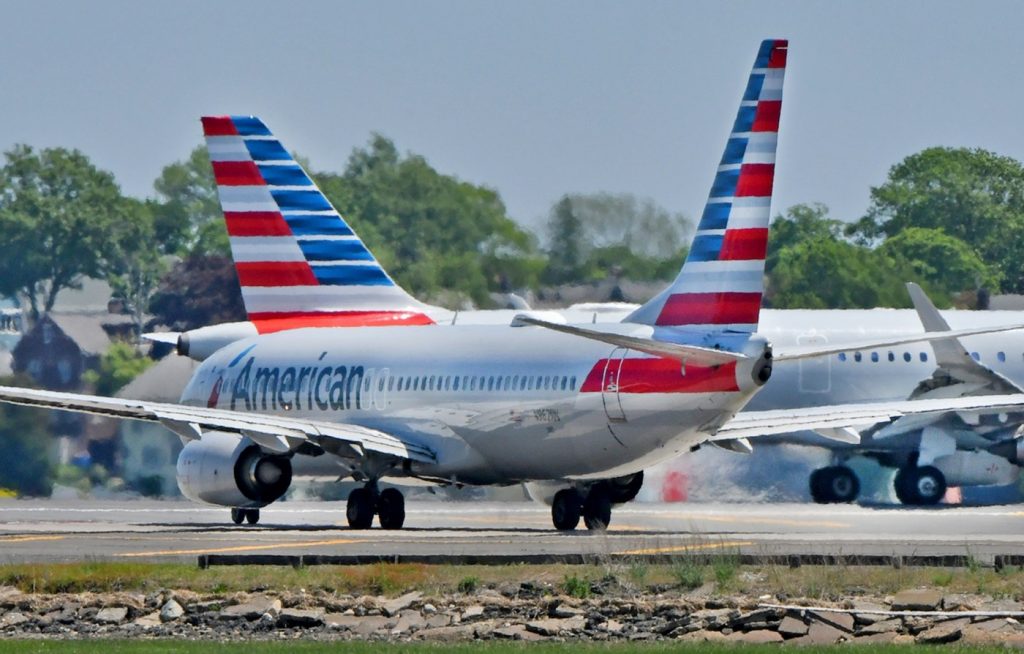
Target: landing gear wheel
x=237, y=516
x=834, y=485
x=390, y=508
x=922, y=486
x=360, y=509
x=252, y=516
x=597, y=509
x=565, y=509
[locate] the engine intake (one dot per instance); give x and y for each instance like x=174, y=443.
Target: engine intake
x=230, y=470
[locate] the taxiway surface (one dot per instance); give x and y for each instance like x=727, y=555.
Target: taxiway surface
x=171, y=530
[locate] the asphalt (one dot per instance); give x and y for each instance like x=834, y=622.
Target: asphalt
x=482, y=532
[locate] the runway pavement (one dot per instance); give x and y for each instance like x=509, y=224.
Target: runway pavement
x=36, y=531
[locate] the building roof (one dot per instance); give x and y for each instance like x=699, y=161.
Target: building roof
x=86, y=330
x=162, y=382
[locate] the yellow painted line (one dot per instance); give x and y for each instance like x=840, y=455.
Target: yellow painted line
x=26, y=539
x=754, y=521
x=693, y=547
x=243, y=548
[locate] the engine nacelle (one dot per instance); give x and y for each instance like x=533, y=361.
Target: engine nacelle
x=1011, y=450
x=230, y=470
x=200, y=343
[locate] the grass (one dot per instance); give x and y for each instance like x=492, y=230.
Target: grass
x=495, y=647
x=816, y=582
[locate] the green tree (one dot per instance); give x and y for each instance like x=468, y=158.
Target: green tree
x=591, y=235
x=430, y=231
x=25, y=441
x=973, y=195
x=137, y=266
x=942, y=263
x=187, y=216
x=802, y=222
x=121, y=364
x=57, y=214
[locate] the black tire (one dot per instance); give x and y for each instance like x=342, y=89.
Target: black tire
x=391, y=508
x=597, y=509
x=842, y=484
x=252, y=516
x=237, y=516
x=565, y=509
x=359, y=510
x=818, y=491
x=923, y=486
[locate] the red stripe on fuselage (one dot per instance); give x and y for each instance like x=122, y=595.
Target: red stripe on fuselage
x=237, y=173
x=766, y=119
x=710, y=309
x=744, y=245
x=218, y=126
x=275, y=273
x=660, y=376
x=755, y=181
x=267, y=323
x=256, y=223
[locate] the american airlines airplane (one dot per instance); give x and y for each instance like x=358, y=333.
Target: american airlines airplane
x=578, y=408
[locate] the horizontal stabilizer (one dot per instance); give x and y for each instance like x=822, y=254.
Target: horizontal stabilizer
x=691, y=354
x=809, y=351
x=170, y=338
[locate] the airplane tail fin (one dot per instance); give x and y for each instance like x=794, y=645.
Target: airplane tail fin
x=299, y=263
x=722, y=281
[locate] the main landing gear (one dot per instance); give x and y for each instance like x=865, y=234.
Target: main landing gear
x=595, y=508
x=238, y=516
x=922, y=486
x=388, y=505
x=834, y=485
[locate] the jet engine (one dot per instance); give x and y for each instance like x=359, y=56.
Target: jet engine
x=1011, y=450
x=230, y=470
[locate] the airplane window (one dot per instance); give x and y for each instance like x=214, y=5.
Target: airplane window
x=874, y=357
x=842, y=356
x=907, y=357
x=399, y=385
x=975, y=356
x=380, y=384
x=391, y=383
x=565, y=380
x=455, y=384
x=1001, y=356
x=522, y=383
x=572, y=382
x=490, y=384
x=857, y=356
x=430, y=382
x=423, y=382
x=465, y=382
x=547, y=382
x=472, y=383
x=892, y=357
x=515, y=382
x=924, y=356
x=415, y=383
x=508, y=382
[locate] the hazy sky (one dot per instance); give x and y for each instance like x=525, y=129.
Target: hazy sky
x=533, y=98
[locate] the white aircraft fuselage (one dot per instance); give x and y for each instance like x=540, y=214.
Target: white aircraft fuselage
x=497, y=404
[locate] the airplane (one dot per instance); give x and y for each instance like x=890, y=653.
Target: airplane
x=578, y=408
x=928, y=453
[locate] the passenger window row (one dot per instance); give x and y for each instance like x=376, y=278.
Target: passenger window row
x=475, y=383
x=907, y=356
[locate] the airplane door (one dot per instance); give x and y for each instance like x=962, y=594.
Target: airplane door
x=816, y=372
x=610, y=386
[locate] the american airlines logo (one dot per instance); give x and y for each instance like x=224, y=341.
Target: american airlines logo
x=337, y=388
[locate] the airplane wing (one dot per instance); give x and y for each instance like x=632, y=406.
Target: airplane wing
x=838, y=419
x=275, y=433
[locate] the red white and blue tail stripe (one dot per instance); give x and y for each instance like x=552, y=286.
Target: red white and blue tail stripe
x=722, y=281
x=299, y=263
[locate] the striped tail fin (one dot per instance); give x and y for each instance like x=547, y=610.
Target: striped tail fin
x=299, y=263
x=722, y=281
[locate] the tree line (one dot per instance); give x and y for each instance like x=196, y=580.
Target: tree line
x=948, y=218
